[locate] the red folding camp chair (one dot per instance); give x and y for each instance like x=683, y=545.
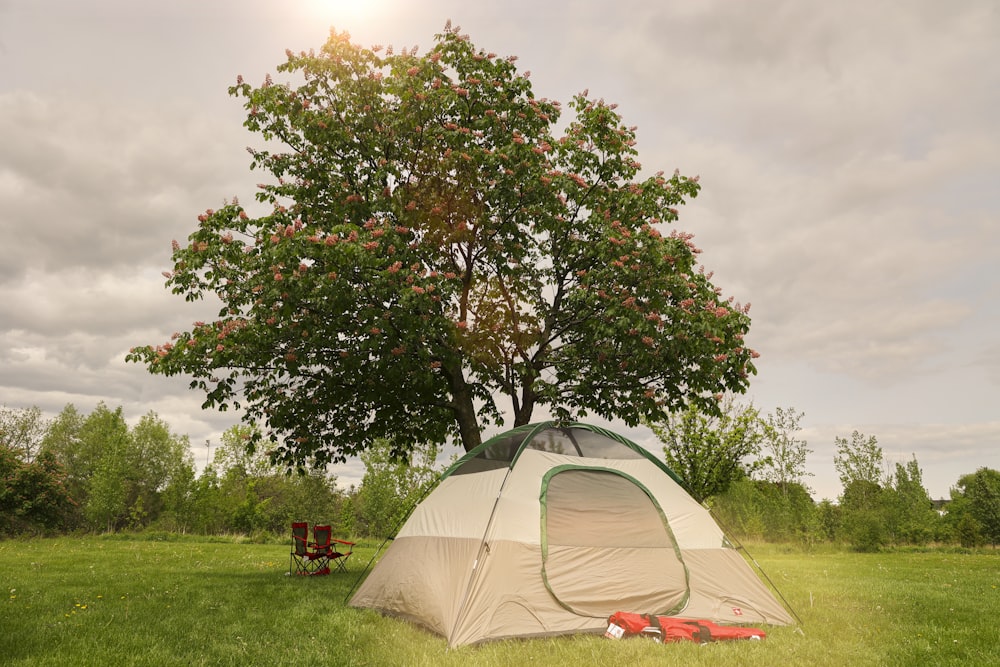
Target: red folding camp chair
x=340, y=553
x=320, y=551
x=299, y=561
x=310, y=557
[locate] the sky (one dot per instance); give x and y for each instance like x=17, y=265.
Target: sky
x=849, y=155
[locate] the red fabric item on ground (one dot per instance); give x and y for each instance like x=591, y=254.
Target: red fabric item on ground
x=673, y=629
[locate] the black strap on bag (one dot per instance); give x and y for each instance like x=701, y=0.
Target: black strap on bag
x=703, y=634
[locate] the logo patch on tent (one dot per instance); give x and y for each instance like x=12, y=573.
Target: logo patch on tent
x=737, y=611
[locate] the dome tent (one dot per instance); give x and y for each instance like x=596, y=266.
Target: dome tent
x=549, y=529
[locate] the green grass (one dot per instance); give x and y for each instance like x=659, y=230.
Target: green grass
x=107, y=601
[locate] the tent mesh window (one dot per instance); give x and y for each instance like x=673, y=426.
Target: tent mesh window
x=606, y=546
x=565, y=441
x=580, y=442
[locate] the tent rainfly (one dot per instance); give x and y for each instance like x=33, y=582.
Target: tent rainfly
x=549, y=529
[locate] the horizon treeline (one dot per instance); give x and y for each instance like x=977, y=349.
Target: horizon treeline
x=93, y=473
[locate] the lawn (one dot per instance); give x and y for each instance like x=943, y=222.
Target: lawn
x=116, y=601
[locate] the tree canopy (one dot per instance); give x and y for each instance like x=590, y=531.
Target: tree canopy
x=437, y=249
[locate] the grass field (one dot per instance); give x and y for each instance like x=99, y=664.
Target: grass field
x=115, y=601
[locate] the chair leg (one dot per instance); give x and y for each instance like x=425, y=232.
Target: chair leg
x=297, y=565
x=342, y=563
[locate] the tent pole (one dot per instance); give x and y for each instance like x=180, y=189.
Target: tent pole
x=482, y=549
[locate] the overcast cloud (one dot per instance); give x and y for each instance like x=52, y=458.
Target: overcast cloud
x=849, y=153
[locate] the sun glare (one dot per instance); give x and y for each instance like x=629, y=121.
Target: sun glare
x=344, y=13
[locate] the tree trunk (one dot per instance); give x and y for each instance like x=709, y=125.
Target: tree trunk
x=524, y=408
x=523, y=414
x=464, y=409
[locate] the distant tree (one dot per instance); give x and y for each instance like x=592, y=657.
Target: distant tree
x=22, y=430
x=107, y=494
x=77, y=458
x=975, y=506
x=968, y=531
x=33, y=495
x=392, y=485
x=440, y=239
x=864, y=529
x=784, y=462
x=179, y=500
x=103, y=452
x=349, y=518
x=740, y=510
x=209, y=509
x=258, y=495
x=860, y=465
x=10, y=464
x=763, y=510
x=118, y=475
x=910, y=513
x=154, y=457
x=859, y=460
x=234, y=457
x=709, y=452
x=828, y=519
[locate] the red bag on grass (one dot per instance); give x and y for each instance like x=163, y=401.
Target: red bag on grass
x=669, y=629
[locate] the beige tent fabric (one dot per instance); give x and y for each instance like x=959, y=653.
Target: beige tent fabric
x=724, y=589
x=460, y=506
x=556, y=544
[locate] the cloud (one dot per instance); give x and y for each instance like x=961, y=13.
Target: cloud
x=87, y=185
x=825, y=145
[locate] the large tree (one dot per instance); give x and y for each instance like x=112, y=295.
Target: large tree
x=435, y=239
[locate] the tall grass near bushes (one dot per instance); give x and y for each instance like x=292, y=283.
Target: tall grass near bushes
x=169, y=601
